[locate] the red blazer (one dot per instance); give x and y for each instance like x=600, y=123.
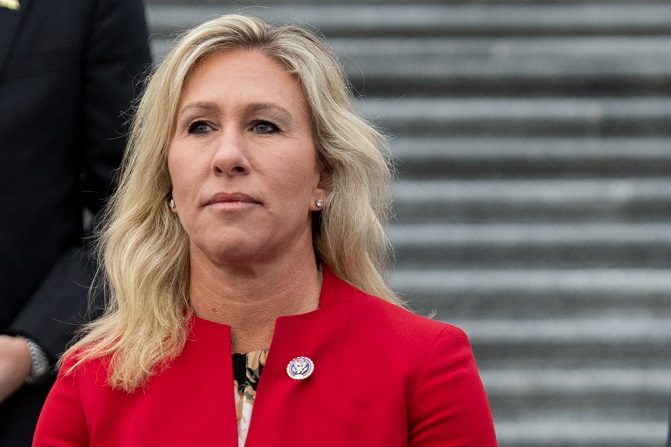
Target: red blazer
x=383, y=377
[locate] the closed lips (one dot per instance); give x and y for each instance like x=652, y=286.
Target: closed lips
x=237, y=197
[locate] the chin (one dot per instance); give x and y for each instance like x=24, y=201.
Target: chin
x=234, y=254
x=226, y=250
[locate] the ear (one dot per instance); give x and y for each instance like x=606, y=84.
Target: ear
x=322, y=191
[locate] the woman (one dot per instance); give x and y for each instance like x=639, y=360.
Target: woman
x=249, y=220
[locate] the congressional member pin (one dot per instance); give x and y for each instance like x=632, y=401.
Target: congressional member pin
x=300, y=368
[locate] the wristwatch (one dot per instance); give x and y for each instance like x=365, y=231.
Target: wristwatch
x=39, y=362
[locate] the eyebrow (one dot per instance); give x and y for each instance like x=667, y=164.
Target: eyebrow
x=267, y=107
x=204, y=106
x=207, y=106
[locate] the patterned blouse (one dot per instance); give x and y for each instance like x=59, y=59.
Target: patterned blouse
x=246, y=373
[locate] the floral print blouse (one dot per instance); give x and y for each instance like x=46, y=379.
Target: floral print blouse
x=246, y=373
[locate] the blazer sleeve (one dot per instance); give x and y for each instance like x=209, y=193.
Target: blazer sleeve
x=62, y=422
x=116, y=52
x=448, y=406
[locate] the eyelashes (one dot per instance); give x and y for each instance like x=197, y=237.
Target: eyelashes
x=199, y=128
x=261, y=127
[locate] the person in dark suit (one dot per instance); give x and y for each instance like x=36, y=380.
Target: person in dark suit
x=68, y=71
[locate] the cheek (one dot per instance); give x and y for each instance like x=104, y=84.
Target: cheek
x=173, y=166
x=300, y=170
x=296, y=184
x=182, y=172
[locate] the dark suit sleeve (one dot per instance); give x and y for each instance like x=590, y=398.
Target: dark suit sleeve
x=115, y=56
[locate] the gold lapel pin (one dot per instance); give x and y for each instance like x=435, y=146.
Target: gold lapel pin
x=10, y=4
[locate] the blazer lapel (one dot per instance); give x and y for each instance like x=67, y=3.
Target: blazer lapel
x=284, y=405
x=9, y=25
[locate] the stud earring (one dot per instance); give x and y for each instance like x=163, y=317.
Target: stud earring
x=319, y=203
x=171, y=204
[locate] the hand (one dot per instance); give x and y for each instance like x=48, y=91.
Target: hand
x=14, y=364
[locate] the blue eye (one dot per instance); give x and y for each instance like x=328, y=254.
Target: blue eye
x=199, y=128
x=264, y=127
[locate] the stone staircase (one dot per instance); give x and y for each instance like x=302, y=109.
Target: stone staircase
x=533, y=141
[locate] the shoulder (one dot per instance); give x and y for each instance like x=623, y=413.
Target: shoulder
x=433, y=363
x=377, y=320
x=443, y=394
x=376, y=309
x=84, y=372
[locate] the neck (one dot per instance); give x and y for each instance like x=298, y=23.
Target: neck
x=250, y=299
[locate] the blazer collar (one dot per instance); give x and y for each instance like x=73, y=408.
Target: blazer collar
x=334, y=292
x=9, y=25
x=318, y=335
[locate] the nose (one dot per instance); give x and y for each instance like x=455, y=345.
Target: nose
x=230, y=158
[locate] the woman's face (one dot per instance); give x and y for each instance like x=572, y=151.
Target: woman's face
x=242, y=161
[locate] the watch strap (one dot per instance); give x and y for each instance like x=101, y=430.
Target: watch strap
x=39, y=362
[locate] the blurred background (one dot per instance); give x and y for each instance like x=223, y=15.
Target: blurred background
x=533, y=142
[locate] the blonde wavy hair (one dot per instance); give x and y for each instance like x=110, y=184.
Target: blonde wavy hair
x=142, y=249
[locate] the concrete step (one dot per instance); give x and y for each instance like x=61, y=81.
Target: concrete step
x=631, y=394
x=502, y=66
x=570, y=245
x=548, y=158
x=530, y=201
x=431, y=117
x=574, y=432
x=525, y=294
x=404, y=17
x=573, y=343
x=395, y=66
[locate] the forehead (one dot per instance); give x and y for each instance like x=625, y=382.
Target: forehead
x=232, y=76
